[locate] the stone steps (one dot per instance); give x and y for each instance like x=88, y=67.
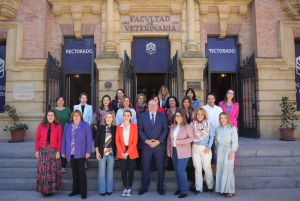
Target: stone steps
x=170, y=184
x=255, y=169
x=92, y=173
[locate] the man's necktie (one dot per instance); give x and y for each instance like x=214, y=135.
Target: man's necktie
x=152, y=120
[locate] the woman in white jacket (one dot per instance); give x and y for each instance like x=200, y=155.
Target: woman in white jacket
x=87, y=113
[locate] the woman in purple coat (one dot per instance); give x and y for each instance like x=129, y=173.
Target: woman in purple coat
x=77, y=146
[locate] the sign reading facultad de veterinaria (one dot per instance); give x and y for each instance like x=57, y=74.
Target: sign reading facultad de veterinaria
x=150, y=23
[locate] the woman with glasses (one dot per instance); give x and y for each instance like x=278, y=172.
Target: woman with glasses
x=77, y=146
x=180, y=150
x=140, y=105
x=231, y=107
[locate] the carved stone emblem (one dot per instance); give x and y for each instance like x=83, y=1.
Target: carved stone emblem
x=108, y=85
x=150, y=48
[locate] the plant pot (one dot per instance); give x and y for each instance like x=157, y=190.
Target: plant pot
x=287, y=134
x=17, y=136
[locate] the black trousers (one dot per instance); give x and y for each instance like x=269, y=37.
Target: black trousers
x=79, y=176
x=127, y=166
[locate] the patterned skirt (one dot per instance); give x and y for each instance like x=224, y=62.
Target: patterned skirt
x=49, y=176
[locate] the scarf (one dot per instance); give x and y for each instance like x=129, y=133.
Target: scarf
x=140, y=108
x=201, y=130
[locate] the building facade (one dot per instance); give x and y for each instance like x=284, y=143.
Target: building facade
x=139, y=45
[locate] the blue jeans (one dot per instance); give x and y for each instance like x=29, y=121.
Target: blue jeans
x=103, y=185
x=181, y=176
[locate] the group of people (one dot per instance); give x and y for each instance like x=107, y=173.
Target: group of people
x=143, y=134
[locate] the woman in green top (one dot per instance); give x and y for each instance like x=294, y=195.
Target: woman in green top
x=63, y=114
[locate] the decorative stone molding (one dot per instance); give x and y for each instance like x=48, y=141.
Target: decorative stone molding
x=77, y=12
x=150, y=7
x=126, y=36
x=291, y=8
x=8, y=9
x=223, y=12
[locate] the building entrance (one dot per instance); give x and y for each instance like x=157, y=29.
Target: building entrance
x=75, y=84
x=221, y=82
x=150, y=83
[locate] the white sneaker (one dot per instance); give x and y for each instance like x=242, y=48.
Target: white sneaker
x=129, y=193
x=124, y=192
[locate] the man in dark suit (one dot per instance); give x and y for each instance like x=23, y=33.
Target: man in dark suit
x=153, y=131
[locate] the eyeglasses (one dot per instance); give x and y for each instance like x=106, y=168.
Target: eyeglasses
x=141, y=98
x=152, y=105
x=229, y=93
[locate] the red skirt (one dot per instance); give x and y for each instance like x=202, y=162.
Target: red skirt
x=49, y=176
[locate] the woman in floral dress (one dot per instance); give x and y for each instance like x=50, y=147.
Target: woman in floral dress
x=47, y=151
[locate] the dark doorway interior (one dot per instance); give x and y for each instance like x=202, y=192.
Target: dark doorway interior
x=149, y=84
x=221, y=82
x=75, y=85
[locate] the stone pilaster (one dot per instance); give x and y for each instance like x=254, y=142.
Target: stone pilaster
x=108, y=71
x=193, y=72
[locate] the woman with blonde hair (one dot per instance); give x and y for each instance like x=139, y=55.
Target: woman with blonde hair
x=201, y=150
x=105, y=146
x=179, y=148
x=163, y=95
x=226, y=142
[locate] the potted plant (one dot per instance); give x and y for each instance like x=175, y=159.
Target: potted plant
x=17, y=129
x=287, y=128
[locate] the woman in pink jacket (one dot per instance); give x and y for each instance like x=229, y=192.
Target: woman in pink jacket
x=230, y=106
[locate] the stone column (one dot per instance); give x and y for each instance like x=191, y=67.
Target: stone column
x=110, y=44
x=109, y=63
x=190, y=17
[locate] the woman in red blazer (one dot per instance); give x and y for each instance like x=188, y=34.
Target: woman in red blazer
x=47, y=151
x=231, y=107
x=126, y=141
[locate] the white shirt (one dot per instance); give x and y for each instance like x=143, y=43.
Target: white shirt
x=151, y=116
x=126, y=131
x=175, y=135
x=213, y=115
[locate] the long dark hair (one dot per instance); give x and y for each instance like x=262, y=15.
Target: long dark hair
x=176, y=101
x=45, y=121
x=191, y=109
x=191, y=90
x=109, y=105
x=233, y=98
x=116, y=97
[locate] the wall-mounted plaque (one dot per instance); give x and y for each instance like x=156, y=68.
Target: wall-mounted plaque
x=108, y=85
x=194, y=85
x=23, y=91
x=150, y=23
